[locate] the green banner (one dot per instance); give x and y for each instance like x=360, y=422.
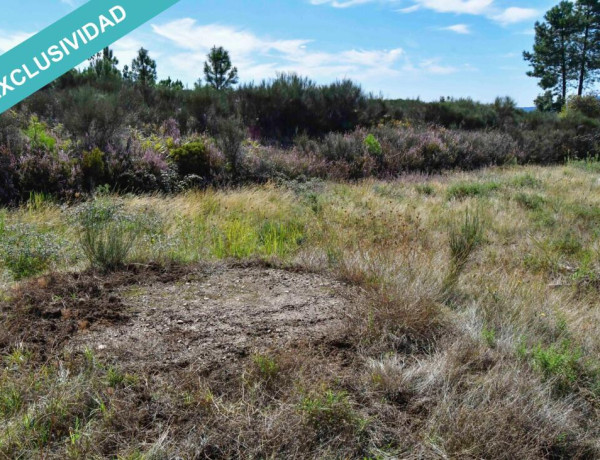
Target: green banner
x=69, y=42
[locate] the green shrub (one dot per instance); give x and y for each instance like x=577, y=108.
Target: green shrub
x=27, y=252
x=108, y=234
x=92, y=165
x=373, y=146
x=36, y=132
x=463, y=190
x=559, y=362
x=192, y=158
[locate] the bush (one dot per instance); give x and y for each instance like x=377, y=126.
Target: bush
x=373, y=146
x=26, y=252
x=108, y=234
x=230, y=134
x=93, y=166
x=9, y=179
x=192, y=158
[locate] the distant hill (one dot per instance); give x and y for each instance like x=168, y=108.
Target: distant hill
x=528, y=109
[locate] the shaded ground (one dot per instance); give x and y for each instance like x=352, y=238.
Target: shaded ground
x=149, y=318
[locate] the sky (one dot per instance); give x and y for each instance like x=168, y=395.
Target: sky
x=395, y=48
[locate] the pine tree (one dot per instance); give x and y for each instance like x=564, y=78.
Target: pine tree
x=218, y=71
x=588, y=12
x=554, y=59
x=143, y=69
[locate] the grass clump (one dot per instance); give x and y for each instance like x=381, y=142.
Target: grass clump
x=108, y=233
x=464, y=190
x=25, y=251
x=329, y=412
x=530, y=202
x=465, y=236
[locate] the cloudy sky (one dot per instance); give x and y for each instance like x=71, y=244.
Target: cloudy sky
x=399, y=48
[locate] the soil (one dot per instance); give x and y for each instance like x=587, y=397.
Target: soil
x=198, y=318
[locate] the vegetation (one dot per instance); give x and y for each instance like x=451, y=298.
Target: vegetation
x=566, y=51
x=475, y=334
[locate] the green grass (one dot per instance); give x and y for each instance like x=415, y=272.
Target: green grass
x=462, y=190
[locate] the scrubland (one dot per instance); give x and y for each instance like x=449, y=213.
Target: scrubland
x=472, y=332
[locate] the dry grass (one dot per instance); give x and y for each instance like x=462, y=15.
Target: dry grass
x=504, y=367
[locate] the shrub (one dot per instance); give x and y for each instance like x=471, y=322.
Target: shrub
x=9, y=179
x=108, y=234
x=25, y=251
x=92, y=166
x=230, y=135
x=192, y=158
x=373, y=146
x=39, y=138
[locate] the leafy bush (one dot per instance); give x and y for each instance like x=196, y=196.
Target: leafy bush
x=192, y=158
x=38, y=136
x=93, y=166
x=373, y=146
x=230, y=134
x=25, y=251
x=9, y=177
x=108, y=233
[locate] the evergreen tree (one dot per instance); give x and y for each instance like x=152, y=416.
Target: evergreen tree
x=104, y=65
x=554, y=59
x=218, y=71
x=143, y=69
x=588, y=12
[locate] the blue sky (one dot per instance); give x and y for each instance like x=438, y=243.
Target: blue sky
x=399, y=48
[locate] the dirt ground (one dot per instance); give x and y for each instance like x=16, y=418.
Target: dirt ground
x=196, y=318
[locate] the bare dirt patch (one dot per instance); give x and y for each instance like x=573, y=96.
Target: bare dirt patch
x=209, y=316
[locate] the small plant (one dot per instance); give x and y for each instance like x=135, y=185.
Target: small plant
x=108, y=234
x=329, y=412
x=373, y=146
x=27, y=252
x=465, y=236
x=37, y=134
x=266, y=366
x=489, y=336
x=559, y=362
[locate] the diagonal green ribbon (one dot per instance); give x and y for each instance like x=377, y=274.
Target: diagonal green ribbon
x=69, y=42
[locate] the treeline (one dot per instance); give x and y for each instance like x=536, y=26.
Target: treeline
x=126, y=131
x=566, y=52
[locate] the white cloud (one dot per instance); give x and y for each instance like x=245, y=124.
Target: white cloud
x=462, y=29
x=8, y=40
x=487, y=8
x=514, y=14
x=262, y=57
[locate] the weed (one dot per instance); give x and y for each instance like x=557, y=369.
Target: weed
x=108, y=234
x=465, y=236
x=329, y=412
x=25, y=251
